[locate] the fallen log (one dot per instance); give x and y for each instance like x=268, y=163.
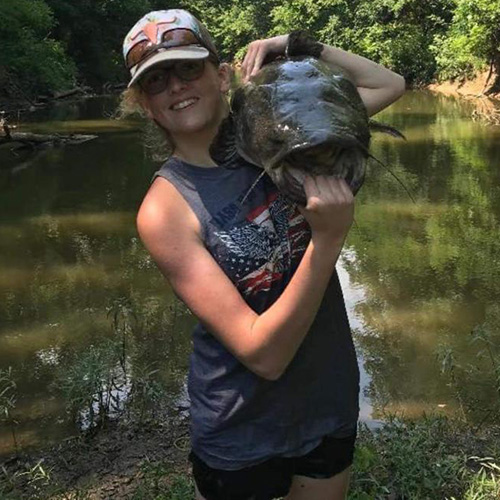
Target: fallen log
x=42, y=140
x=72, y=92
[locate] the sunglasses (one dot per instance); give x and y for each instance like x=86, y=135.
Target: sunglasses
x=172, y=38
x=156, y=80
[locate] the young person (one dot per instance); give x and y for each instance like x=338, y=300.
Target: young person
x=273, y=378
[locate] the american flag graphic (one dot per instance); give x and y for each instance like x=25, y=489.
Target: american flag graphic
x=269, y=243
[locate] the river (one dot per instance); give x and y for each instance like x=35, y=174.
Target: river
x=421, y=277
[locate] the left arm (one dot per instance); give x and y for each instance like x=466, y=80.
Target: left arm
x=378, y=86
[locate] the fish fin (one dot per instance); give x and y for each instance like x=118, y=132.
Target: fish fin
x=223, y=147
x=400, y=182
x=301, y=43
x=386, y=129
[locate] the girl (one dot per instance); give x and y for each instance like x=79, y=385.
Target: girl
x=273, y=378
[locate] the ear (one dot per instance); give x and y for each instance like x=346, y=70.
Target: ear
x=225, y=73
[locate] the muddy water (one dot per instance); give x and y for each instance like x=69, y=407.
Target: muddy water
x=421, y=278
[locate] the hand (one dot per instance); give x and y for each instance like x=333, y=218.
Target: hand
x=330, y=208
x=258, y=51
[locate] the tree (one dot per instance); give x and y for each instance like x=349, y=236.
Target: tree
x=29, y=54
x=472, y=41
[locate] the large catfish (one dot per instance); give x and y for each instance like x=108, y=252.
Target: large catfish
x=298, y=115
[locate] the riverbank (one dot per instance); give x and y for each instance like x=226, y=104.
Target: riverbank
x=481, y=86
x=482, y=91
x=430, y=458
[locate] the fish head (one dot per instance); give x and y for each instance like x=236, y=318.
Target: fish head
x=299, y=117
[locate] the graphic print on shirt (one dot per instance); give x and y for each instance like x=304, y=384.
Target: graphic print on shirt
x=270, y=242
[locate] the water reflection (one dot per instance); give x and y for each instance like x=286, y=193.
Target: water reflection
x=420, y=278
x=69, y=253
x=430, y=270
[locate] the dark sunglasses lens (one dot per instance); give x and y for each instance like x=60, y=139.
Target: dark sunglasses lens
x=189, y=70
x=154, y=81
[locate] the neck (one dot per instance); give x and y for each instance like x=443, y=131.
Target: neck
x=194, y=148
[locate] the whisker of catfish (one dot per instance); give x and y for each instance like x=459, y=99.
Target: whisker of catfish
x=393, y=175
x=252, y=187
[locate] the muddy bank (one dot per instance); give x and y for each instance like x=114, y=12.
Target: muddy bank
x=482, y=91
x=108, y=464
x=482, y=86
x=431, y=457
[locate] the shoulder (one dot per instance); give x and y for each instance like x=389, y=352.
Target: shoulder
x=164, y=213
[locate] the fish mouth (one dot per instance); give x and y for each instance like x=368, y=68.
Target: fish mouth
x=288, y=171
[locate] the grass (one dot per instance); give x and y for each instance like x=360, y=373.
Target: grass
x=432, y=458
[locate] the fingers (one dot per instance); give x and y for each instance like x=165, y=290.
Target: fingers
x=330, y=207
x=257, y=52
x=326, y=189
x=253, y=59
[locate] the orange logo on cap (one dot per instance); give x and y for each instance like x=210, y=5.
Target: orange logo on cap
x=152, y=29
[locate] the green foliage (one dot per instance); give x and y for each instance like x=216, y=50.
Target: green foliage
x=114, y=377
x=28, y=53
x=88, y=382
x=8, y=399
x=484, y=341
x=424, y=459
x=472, y=41
x=93, y=31
x=161, y=482
x=233, y=25
x=47, y=40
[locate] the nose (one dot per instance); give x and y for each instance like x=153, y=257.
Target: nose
x=175, y=84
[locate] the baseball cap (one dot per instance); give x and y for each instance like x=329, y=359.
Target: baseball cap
x=165, y=35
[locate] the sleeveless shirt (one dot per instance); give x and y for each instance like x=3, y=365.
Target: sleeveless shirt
x=257, y=237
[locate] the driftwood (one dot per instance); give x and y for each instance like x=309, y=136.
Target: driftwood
x=113, y=88
x=37, y=140
x=69, y=93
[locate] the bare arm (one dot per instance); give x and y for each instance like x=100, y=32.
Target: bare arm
x=265, y=343
x=377, y=85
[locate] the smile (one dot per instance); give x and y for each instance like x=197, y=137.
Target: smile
x=184, y=104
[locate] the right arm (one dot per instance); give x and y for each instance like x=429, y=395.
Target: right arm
x=264, y=343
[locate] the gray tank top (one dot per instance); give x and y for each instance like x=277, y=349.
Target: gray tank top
x=239, y=419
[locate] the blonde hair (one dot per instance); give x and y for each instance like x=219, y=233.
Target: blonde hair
x=131, y=103
x=157, y=140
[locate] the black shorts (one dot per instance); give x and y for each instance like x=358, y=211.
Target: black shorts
x=273, y=478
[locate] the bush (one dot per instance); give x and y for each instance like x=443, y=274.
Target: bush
x=32, y=57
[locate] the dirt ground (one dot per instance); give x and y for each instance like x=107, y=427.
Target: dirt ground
x=467, y=88
x=111, y=461
x=479, y=91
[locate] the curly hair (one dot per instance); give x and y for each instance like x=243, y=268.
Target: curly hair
x=157, y=139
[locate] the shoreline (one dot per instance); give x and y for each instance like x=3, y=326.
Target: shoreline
x=478, y=87
x=149, y=461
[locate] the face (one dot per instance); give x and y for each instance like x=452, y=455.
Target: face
x=186, y=106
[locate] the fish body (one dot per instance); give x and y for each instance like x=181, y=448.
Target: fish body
x=298, y=116
x=302, y=115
